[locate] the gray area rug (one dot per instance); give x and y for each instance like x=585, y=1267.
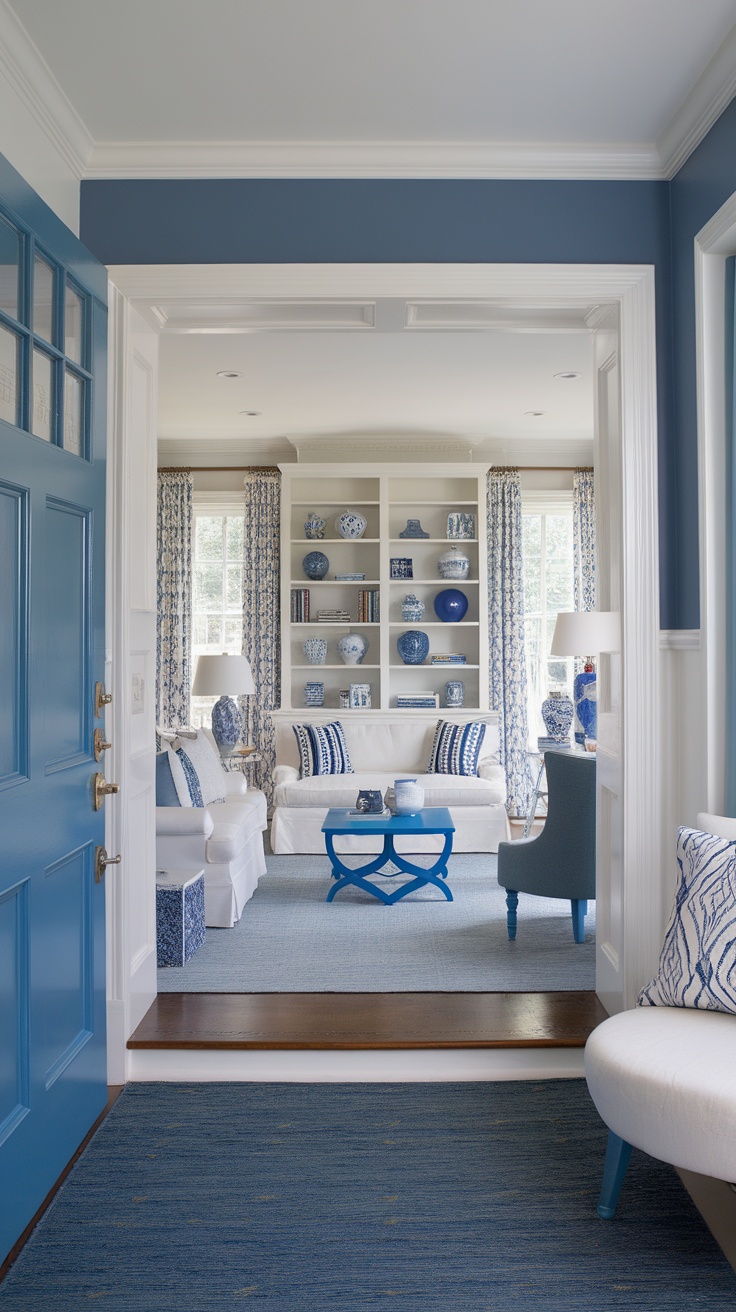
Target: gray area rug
x=290, y=940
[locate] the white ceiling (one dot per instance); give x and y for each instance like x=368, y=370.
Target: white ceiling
x=435, y=74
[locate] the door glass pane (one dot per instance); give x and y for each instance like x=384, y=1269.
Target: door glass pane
x=9, y=266
x=43, y=299
x=8, y=376
x=73, y=413
x=43, y=397
x=73, y=325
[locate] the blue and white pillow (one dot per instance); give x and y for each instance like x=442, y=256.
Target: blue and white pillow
x=196, y=772
x=456, y=748
x=322, y=749
x=697, y=965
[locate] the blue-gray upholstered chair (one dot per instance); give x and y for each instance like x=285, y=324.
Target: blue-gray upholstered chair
x=559, y=862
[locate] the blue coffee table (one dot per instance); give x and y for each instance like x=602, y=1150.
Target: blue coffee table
x=432, y=820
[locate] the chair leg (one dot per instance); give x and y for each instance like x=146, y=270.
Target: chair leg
x=618, y=1152
x=512, y=902
x=579, y=912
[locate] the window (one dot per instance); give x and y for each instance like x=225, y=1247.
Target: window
x=547, y=538
x=217, y=588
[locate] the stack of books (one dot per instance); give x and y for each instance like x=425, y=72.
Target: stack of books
x=300, y=605
x=334, y=616
x=449, y=658
x=418, y=701
x=544, y=743
x=368, y=606
x=349, y=578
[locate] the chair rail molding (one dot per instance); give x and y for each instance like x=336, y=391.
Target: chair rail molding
x=630, y=289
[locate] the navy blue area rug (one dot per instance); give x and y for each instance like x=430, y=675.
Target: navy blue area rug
x=454, y=1197
x=290, y=940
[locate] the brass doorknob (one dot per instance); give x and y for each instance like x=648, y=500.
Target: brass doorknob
x=102, y=698
x=100, y=790
x=102, y=860
x=100, y=745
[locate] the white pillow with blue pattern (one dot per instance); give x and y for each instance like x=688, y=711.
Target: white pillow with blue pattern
x=456, y=748
x=197, y=774
x=322, y=749
x=697, y=965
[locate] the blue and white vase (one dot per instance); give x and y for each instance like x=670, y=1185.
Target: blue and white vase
x=227, y=723
x=412, y=609
x=315, y=564
x=453, y=564
x=351, y=524
x=314, y=694
x=454, y=692
x=315, y=650
x=586, y=706
x=314, y=526
x=408, y=797
x=557, y=712
x=413, y=647
x=352, y=648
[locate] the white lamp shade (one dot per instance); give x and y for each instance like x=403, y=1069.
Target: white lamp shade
x=586, y=632
x=223, y=675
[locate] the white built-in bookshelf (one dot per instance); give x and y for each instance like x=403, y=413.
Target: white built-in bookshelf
x=387, y=498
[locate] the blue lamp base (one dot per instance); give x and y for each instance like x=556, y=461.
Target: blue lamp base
x=586, y=706
x=227, y=723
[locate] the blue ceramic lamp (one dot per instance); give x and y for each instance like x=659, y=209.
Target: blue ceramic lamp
x=586, y=633
x=228, y=677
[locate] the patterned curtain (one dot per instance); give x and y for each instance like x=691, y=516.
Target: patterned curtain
x=174, y=586
x=583, y=527
x=508, y=692
x=261, y=624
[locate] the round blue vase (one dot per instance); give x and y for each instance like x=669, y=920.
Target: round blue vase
x=450, y=605
x=413, y=647
x=315, y=564
x=227, y=723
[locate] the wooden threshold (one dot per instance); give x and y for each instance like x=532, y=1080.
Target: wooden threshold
x=326, y=1021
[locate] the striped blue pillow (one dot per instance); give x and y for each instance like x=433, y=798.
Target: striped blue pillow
x=322, y=749
x=456, y=748
x=697, y=965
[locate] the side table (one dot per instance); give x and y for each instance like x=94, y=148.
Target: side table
x=180, y=928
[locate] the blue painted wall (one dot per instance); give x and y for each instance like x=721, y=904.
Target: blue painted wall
x=310, y=221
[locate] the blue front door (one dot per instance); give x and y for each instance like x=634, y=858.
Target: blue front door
x=52, y=526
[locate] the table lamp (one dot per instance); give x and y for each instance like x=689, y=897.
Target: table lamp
x=224, y=676
x=586, y=633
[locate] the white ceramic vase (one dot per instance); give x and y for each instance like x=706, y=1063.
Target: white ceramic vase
x=352, y=648
x=408, y=796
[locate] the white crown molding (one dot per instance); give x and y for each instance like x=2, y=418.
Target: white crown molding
x=371, y=159
x=697, y=114
x=226, y=451
x=26, y=71
x=536, y=452
x=384, y=447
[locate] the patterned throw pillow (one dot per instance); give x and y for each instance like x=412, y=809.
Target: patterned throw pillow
x=198, y=776
x=697, y=965
x=322, y=749
x=456, y=748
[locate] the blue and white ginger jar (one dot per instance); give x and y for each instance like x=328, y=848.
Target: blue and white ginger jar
x=314, y=525
x=557, y=713
x=352, y=648
x=351, y=524
x=412, y=609
x=413, y=647
x=454, y=692
x=315, y=650
x=453, y=564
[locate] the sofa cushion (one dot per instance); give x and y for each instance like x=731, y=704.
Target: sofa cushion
x=697, y=966
x=206, y=776
x=341, y=790
x=322, y=749
x=456, y=748
x=234, y=823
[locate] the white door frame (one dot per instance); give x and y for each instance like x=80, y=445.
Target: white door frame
x=713, y=244
x=631, y=288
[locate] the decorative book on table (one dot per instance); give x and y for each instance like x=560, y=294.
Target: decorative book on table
x=449, y=658
x=418, y=701
x=334, y=616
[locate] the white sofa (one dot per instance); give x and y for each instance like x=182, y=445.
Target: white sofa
x=225, y=839
x=384, y=747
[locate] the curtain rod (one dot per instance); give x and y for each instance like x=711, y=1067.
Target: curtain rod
x=218, y=469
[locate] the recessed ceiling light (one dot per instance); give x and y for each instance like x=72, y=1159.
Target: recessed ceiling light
x=228, y=373
x=535, y=414
x=567, y=374
x=253, y=414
